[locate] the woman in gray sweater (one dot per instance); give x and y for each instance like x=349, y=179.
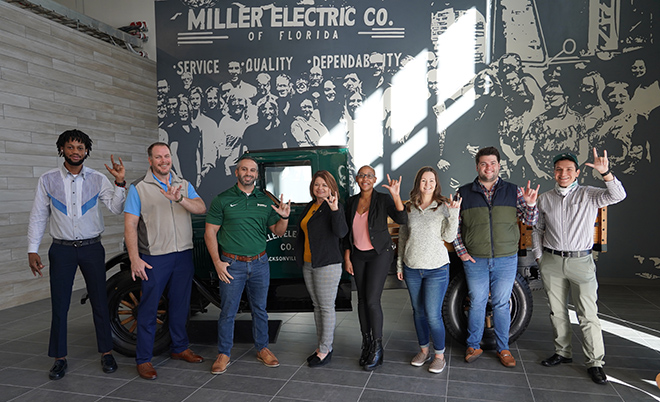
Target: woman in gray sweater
x=423, y=262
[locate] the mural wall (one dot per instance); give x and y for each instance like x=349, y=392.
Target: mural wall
x=408, y=84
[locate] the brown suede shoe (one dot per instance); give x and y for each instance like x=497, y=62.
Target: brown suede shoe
x=147, y=371
x=506, y=358
x=471, y=354
x=220, y=365
x=188, y=355
x=267, y=358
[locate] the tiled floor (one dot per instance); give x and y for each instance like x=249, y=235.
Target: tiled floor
x=631, y=316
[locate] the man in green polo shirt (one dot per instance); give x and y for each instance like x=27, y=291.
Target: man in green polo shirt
x=238, y=220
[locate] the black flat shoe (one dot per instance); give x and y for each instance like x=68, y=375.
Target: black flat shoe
x=108, y=363
x=316, y=362
x=311, y=357
x=555, y=360
x=58, y=370
x=597, y=375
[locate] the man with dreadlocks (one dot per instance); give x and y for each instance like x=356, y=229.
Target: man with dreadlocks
x=69, y=197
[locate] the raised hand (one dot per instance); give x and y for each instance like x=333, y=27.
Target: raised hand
x=118, y=171
x=173, y=193
x=601, y=163
x=394, y=185
x=454, y=203
x=530, y=194
x=283, y=210
x=333, y=201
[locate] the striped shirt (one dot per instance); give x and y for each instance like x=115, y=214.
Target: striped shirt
x=566, y=223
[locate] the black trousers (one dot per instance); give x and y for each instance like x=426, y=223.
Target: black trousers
x=370, y=271
x=64, y=261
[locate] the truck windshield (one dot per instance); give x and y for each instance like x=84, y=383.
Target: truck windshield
x=292, y=180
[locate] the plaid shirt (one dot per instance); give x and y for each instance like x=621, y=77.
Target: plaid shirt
x=529, y=214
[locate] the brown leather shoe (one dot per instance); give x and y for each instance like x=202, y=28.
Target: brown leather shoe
x=220, y=365
x=267, y=358
x=188, y=355
x=506, y=358
x=471, y=354
x=147, y=371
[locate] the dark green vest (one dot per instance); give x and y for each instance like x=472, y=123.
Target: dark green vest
x=490, y=231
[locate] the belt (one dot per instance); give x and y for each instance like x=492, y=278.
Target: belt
x=242, y=257
x=569, y=254
x=77, y=243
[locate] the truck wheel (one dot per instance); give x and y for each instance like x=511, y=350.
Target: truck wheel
x=123, y=300
x=457, y=305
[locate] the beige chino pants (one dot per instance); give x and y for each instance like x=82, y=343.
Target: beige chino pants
x=575, y=276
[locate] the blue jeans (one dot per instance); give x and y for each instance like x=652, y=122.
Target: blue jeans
x=497, y=276
x=254, y=276
x=427, y=288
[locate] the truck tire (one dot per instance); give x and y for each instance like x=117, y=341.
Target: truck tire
x=457, y=304
x=123, y=300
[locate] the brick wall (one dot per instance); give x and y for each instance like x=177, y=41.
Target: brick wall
x=52, y=79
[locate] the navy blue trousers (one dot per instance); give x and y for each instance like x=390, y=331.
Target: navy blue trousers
x=174, y=272
x=64, y=260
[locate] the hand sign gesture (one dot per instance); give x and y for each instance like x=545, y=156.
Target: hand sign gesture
x=530, y=194
x=333, y=201
x=394, y=186
x=601, y=163
x=454, y=203
x=283, y=210
x=173, y=193
x=118, y=170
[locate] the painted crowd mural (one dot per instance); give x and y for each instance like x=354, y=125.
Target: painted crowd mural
x=408, y=84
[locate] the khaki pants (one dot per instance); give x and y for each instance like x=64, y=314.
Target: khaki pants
x=576, y=276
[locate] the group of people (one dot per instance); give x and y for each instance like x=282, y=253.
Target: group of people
x=481, y=221
x=569, y=112
x=208, y=129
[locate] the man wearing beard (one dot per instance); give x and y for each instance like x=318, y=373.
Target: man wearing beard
x=158, y=233
x=591, y=104
x=237, y=223
x=69, y=197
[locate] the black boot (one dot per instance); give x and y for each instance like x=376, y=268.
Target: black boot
x=375, y=358
x=366, y=347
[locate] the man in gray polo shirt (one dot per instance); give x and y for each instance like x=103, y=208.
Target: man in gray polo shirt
x=563, y=238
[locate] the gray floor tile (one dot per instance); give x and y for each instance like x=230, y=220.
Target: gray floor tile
x=44, y=395
x=156, y=390
x=23, y=377
x=74, y=383
x=331, y=375
x=490, y=392
x=241, y=383
x=436, y=386
x=371, y=395
x=8, y=392
x=319, y=392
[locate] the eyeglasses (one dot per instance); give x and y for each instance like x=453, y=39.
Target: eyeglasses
x=368, y=176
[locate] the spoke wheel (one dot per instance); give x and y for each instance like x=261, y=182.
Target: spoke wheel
x=123, y=301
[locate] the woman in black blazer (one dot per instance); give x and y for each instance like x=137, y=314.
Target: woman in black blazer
x=318, y=253
x=368, y=255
